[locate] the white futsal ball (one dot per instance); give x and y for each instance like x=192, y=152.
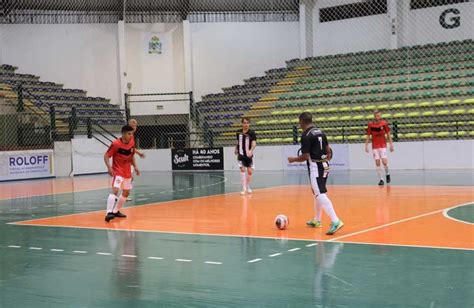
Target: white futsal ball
x=281, y=222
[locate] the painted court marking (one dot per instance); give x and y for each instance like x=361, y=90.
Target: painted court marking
x=446, y=214
x=275, y=255
x=394, y=223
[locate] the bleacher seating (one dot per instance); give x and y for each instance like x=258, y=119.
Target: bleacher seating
x=426, y=92
x=38, y=94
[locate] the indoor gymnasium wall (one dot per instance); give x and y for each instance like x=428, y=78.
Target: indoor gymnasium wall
x=152, y=73
x=348, y=35
x=422, y=26
x=81, y=56
x=87, y=157
x=224, y=54
x=411, y=27
x=86, y=56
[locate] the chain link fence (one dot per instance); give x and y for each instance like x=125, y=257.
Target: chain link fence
x=411, y=59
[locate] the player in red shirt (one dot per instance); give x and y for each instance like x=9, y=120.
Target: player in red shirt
x=377, y=130
x=122, y=151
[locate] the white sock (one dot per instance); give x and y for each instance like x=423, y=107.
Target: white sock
x=120, y=203
x=318, y=209
x=379, y=172
x=249, y=179
x=387, y=172
x=111, y=203
x=243, y=179
x=327, y=206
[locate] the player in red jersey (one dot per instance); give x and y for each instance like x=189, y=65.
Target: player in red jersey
x=122, y=152
x=379, y=131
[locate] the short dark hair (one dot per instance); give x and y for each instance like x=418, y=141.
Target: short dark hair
x=377, y=111
x=306, y=118
x=126, y=129
x=245, y=118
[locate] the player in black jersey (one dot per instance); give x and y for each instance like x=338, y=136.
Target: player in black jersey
x=246, y=143
x=315, y=150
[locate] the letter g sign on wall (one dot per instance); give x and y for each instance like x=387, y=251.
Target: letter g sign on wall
x=449, y=19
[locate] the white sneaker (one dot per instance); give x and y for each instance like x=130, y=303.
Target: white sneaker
x=129, y=199
x=243, y=192
x=249, y=190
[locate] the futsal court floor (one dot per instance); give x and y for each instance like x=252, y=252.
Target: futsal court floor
x=191, y=240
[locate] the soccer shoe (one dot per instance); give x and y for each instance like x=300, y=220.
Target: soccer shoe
x=119, y=214
x=314, y=223
x=334, y=227
x=381, y=183
x=109, y=217
x=249, y=190
x=388, y=178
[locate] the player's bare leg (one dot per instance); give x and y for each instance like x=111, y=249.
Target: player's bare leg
x=379, y=171
x=387, y=172
x=243, y=180
x=120, y=202
x=111, y=204
x=249, y=179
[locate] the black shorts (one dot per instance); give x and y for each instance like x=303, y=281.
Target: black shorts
x=245, y=161
x=318, y=175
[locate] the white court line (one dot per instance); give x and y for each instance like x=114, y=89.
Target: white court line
x=57, y=250
x=104, y=254
x=183, y=260
x=404, y=245
x=155, y=258
x=14, y=246
x=254, y=260
x=339, y=279
x=445, y=214
x=35, y=248
x=311, y=245
x=63, y=204
x=213, y=262
x=394, y=223
x=129, y=256
x=294, y=249
x=275, y=255
x=34, y=207
x=79, y=251
x=142, y=199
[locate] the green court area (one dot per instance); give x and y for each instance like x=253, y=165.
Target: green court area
x=67, y=267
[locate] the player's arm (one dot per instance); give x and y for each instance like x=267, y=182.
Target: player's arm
x=236, y=151
x=367, y=139
x=305, y=149
x=253, y=144
x=389, y=137
x=327, y=147
x=142, y=155
x=110, y=152
x=134, y=164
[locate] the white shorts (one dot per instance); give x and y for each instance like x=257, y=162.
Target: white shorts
x=379, y=153
x=122, y=183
